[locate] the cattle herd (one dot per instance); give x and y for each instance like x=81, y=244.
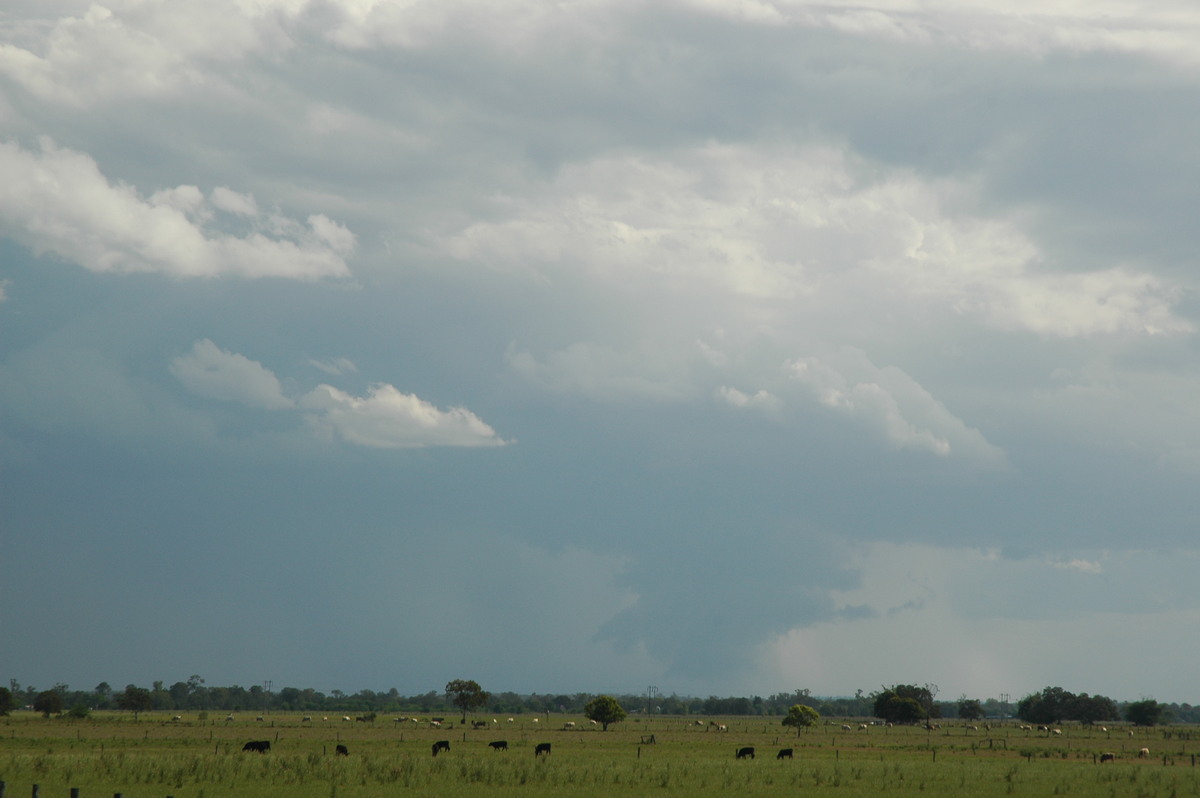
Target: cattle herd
x=743, y=752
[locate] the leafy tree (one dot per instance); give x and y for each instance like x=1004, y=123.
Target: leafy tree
x=48, y=702
x=970, y=708
x=466, y=694
x=905, y=703
x=1147, y=712
x=1092, y=709
x=78, y=711
x=7, y=702
x=135, y=699
x=801, y=716
x=1048, y=706
x=604, y=709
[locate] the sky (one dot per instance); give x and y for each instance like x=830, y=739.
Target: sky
x=729, y=347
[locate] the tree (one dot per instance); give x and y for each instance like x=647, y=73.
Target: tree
x=1046, y=707
x=48, y=702
x=1092, y=709
x=905, y=703
x=135, y=699
x=604, y=710
x=970, y=708
x=1147, y=712
x=801, y=716
x=466, y=694
x=7, y=702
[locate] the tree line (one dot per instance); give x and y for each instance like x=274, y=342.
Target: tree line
x=898, y=703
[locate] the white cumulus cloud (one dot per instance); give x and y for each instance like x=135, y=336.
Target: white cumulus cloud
x=389, y=419
x=210, y=371
x=57, y=200
x=893, y=404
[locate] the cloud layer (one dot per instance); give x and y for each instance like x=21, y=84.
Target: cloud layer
x=716, y=343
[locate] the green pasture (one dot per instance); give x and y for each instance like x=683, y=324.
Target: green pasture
x=195, y=757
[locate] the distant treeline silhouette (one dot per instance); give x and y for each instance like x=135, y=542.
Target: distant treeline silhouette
x=195, y=695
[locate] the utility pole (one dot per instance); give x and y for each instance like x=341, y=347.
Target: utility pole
x=651, y=693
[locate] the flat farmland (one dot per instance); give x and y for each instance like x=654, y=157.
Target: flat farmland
x=200, y=756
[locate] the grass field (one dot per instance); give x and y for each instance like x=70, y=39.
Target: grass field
x=202, y=758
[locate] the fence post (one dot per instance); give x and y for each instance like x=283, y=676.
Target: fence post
x=35, y=791
x=74, y=792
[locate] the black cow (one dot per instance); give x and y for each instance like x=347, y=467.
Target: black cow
x=784, y=753
x=262, y=746
x=342, y=750
x=1108, y=757
x=748, y=751
x=498, y=745
x=441, y=745
x=542, y=748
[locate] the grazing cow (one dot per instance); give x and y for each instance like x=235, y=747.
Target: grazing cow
x=479, y=724
x=260, y=717
x=1145, y=752
x=498, y=745
x=542, y=748
x=1108, y=757
x=261, y=746
x=342, y=750
x=435, y=723
x=569, y=725
x=845, y=727
x=306, y=719
x=441, y=745
x=743, y=753
x=229, y=717
x=784, y=753
x=510, y=720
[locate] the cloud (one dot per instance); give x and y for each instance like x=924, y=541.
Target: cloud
x=751, y=232
x=128, y=49
x=980, y=611
x=602, y=373
x=212, y=372
x=389, y=419
x=336, y=366
x=761, y=399
x=57, y=200
x=892, y=403
x=384, y=419
x=1164, y=31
